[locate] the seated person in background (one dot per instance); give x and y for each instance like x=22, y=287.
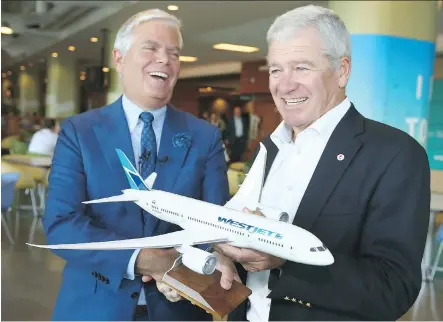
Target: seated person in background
x=43, y=141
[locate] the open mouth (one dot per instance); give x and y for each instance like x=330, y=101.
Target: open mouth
x=159, y=75
x=294, y=101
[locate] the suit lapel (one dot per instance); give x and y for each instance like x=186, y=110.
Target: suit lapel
x=112, y=133
x=167, y=172
x=329, y=170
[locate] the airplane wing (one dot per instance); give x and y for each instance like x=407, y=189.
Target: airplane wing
x=118, y=198
x=174, y=239
x=250, y=191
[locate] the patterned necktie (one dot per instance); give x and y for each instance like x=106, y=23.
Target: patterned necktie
x=148, y=157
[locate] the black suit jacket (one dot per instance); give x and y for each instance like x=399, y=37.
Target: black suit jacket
x=372, y=211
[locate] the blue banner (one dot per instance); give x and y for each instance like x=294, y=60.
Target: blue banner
x=435, y=133
x=391, y=81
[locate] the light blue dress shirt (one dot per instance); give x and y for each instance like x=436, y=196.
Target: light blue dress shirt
x=135, y=125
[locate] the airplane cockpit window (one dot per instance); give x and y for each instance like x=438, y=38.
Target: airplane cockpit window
x=313, y=249
x=321, y=249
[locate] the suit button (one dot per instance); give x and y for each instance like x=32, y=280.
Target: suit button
x=134, y=295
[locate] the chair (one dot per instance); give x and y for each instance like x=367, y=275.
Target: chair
x=235, y=179
x=9, y=181
x=435, y=266
x=7, y=141
x=26, y=181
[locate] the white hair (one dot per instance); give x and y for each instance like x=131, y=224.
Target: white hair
x=123, y=40
x=331, y=29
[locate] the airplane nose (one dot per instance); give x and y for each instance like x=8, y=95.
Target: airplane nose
x=329, y=259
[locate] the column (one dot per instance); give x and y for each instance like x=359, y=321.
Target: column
x=115, y=86
x=29, y=92
x=393, y=52
x=62, y=94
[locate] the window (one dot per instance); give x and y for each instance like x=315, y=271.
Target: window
x=312, y=249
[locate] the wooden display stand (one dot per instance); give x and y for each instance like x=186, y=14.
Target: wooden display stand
x=205, y=291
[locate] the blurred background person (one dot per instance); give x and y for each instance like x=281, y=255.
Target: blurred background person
x=237, y=135
x=44, y=140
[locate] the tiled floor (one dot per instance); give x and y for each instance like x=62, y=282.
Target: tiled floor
x=31, y=278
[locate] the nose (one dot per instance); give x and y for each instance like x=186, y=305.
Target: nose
x=162, y=57
x=288, y=82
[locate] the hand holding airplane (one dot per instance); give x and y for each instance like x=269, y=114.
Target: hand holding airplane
x=251, y=260
x=206, y=223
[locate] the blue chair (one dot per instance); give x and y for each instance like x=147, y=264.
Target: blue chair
x=435, y=266
x=9, y=181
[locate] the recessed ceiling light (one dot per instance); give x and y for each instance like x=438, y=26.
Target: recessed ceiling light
x=173, y=7
x=105, y=69
x=188, y=59
x=93, y=39
x=54, y=55
x=239, y=48
x=71, y=48
x=6, y=30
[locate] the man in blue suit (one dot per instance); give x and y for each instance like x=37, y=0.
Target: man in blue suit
x=185, y=152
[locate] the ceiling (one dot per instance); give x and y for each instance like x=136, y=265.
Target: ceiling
x=43, y=27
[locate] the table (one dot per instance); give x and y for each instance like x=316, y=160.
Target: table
x=33, y=161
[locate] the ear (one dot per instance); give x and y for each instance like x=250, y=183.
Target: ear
x=345, y=71
x=118, y=60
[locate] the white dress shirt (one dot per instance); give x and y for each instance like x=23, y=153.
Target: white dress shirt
x=238, y=124
x=135, y=125
x=286, y=184
x=43, y=142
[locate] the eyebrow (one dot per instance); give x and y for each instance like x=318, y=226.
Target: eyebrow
x=307, y=62
x=294, y=62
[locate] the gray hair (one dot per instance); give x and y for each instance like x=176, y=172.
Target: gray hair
x=123, y=40
x=331, y=29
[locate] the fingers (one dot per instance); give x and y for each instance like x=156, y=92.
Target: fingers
x=227, y=277
x=228, y=271
x=171, y=294
x=241, y=255
x=259, y=213
x=146, y=278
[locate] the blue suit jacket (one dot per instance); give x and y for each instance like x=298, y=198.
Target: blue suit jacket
x=85, y=166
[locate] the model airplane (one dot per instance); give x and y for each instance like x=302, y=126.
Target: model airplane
x=206, y=223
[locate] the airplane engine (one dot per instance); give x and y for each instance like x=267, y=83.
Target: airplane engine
x=198, y=260
x=274, y=214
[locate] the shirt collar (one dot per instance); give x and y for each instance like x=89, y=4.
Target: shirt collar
x=324, y=126
x=133, y=111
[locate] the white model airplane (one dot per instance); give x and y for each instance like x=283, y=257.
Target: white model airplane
x=206, y=223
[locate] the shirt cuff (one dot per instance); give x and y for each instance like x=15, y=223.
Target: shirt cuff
x=130, y=274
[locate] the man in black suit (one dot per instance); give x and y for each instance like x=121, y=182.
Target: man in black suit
x=237, y=134
x=362, y=187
